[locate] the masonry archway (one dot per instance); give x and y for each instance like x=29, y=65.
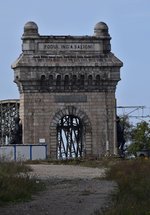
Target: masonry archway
x=72, y=129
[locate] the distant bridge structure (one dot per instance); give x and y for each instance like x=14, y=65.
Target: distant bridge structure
x=9, y=110
x=137, y=113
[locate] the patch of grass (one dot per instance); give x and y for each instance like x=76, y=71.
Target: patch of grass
x=12, y=168
x=64, y=162
x=35, y=162
x=133, y=195
x=85, y=162
x=95, y=163
x=16, y=184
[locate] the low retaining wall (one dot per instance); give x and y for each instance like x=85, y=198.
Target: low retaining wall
x=23, y=152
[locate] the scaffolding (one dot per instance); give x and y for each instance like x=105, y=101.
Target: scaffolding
x=9, y=110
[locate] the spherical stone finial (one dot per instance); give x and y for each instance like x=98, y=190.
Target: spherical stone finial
x=30, y=29
x=101, y=29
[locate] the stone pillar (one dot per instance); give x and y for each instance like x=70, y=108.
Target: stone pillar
x=60, y=76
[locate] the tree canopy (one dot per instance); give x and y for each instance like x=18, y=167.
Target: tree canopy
x=140, y=137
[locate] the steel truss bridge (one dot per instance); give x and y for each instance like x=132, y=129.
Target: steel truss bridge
x=9, y=110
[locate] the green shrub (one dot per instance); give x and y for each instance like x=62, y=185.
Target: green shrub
x=133, y=195
x=16, y=184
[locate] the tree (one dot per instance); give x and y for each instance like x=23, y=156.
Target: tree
x=140, y=137
x=124, y=128
x=127, y=127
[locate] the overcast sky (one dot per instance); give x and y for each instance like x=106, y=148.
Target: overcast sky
x=129, y=27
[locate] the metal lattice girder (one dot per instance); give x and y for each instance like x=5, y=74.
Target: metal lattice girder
x=9, y=110
x=69, y=137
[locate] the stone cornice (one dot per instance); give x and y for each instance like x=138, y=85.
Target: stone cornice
x=107, y=60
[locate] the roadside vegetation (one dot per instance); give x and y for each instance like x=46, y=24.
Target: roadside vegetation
x=132, y=197
x=133, y=194
x=16, y=184
x=140, y=138
x=137, y=137
x=94, y=163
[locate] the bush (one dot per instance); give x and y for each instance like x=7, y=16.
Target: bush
x=16, y=184
x=133, y=195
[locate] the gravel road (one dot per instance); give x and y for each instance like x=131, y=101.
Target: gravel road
x=71, y=190
x=66, y=172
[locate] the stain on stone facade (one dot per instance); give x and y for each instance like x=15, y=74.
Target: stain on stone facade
x=60, y=76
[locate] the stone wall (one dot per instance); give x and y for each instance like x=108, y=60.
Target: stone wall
x=40, y=111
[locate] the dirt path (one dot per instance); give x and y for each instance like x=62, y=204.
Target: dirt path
x=66, y=172
x=71, y=190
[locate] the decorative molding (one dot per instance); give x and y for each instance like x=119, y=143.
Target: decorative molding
x=72, y=110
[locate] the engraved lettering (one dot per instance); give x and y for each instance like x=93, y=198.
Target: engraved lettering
x=66, y=46
x=51, y=46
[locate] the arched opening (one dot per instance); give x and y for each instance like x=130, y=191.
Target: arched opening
x=82, y=81
x=69, y=137
x=44, y=83
x=97, y=80
x=90, y=80
x=71, y=134
x=51, y=80
x=43, y=78
x=74, y=82
x=66, y=82
x=58, y=81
